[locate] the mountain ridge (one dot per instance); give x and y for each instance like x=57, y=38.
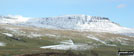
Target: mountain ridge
x=73, y=22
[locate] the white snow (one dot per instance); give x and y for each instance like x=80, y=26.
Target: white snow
x=8, y=34
x=111, y=45
x=102, y=41
x=67, y=42
x=19, y=18
x=13, y=19
x=77, y=22
x=95, y=38
x=51, y=35
x=66, y=45
x=2, y=44
x=125, y=38
x=36, y=35
x=121, y=40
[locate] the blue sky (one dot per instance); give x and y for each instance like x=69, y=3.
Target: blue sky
x=119, y=11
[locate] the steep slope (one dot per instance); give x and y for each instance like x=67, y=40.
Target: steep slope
x=74, y=22
x=71, y=22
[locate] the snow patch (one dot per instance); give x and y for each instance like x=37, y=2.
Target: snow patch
x=66, y=47
x=13, y=19
x=2, y=44
x=125, y=38
x=51, y=35
x=68, y=44
x=95, y=38
x=102, y=41
x=34, y=34
x=111, y=45
x=121, y=40
x=8, y=34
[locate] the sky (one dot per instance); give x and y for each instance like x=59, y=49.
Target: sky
x=119, y=11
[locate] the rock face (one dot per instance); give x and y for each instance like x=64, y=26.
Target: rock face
x=77, y=22
x=72, y=22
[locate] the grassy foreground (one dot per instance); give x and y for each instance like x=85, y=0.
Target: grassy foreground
x=30, y=47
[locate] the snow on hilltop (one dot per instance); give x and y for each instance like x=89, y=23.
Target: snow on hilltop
x=77, y=22
x=13, y=19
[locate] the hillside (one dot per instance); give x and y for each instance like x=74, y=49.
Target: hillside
x=85, y=35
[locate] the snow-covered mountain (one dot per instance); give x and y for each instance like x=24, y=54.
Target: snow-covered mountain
x=75, y=22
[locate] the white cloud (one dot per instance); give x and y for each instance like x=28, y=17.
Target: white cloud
x=121, y=6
